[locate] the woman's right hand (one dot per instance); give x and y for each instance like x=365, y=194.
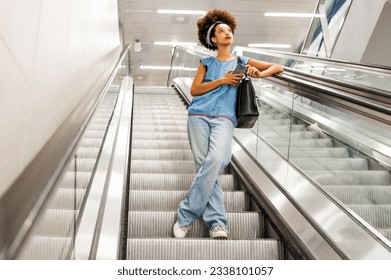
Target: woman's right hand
x=233, y=79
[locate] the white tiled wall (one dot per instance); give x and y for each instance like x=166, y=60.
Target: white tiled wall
x=51, y=54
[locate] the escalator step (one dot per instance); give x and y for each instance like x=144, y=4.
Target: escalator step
x=169, y=200
x=67, y=198
x=379, y=216
x=57, y=222
x=318, y=153
x=147, y=122
x=153, y=166
x=204, y=249
x=331, y=164
x=159, y=135
x=152, y=154
x=46, y=248
x=159, y=128
x=160, y=144
x=361, y=194
x=173, y=182
x=312, y=143
x=337, y=178
x=159, y=225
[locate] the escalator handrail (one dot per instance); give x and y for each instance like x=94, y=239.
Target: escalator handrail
x=379, y=69
x=375, y=99
x=356, y=95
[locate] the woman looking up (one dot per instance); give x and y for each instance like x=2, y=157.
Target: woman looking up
x=211, y=122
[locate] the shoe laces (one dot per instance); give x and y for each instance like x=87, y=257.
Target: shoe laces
x=219, y=228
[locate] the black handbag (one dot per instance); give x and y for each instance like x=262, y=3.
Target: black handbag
x=246, y=104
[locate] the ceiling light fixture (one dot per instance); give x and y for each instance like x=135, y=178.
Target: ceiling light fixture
x=175, y=43
x=305, y=15
x=279, y=46
x=182, y=12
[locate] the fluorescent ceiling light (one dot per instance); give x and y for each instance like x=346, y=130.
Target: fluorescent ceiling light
x=292, y=15
x=182, y=12
x=175, y=44
x=280, y=46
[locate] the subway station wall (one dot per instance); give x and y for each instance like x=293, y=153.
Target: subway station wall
x=51, y=54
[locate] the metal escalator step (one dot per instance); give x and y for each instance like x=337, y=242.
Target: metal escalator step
x=159, y=128
x=46, y=248
x=160, y=122
x=236, y=201
x=159, y=225
x=293, y=135
x=204, y=249
x=331, y=164
x=82, y=164
x=57, y=222
x=174, y=182
x=337, y=178
x=160, y=144
x=91, y=142
x=159, y=135
x=152, y=154
x=67, y=198
x=75, y=180
x=361, y=194
x=273, y=116
x=96, y=127
x=386, y=233
x=90, y=133
x=312, y=143
x=159, y=112
x=318, y=153
x=86, y=152
x=170, y=166
x=168, y=116
x=379, y=216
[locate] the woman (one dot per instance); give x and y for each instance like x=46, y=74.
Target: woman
x=211, y=122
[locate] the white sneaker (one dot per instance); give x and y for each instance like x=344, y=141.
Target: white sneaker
x=180, y=232
x=219, y=232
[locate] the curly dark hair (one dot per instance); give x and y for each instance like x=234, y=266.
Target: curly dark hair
x=210, y=18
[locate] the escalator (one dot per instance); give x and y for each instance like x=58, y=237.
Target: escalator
x=301, y=184
x=162, y=169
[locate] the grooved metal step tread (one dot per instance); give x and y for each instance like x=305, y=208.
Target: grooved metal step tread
x=46, y=248
x=161, y=144
x=169, y=200
x=204, y=249
x=331, y=164
x=376, y=195
x=370, y=177
x=159, y=135
x=146, y=224
x=173, y=182
x=330, y=152
x=153, y=154
x=162, y=166
x=379, y=216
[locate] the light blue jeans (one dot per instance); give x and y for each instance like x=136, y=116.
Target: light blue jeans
x=210, y=141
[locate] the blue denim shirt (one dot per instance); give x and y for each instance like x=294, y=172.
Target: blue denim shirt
x=221, y=101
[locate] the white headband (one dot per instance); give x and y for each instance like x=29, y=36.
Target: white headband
x=208, y=38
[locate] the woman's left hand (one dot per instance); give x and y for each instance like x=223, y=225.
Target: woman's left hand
x=253, y=72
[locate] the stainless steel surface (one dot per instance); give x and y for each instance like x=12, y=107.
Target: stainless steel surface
x=111, y=226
